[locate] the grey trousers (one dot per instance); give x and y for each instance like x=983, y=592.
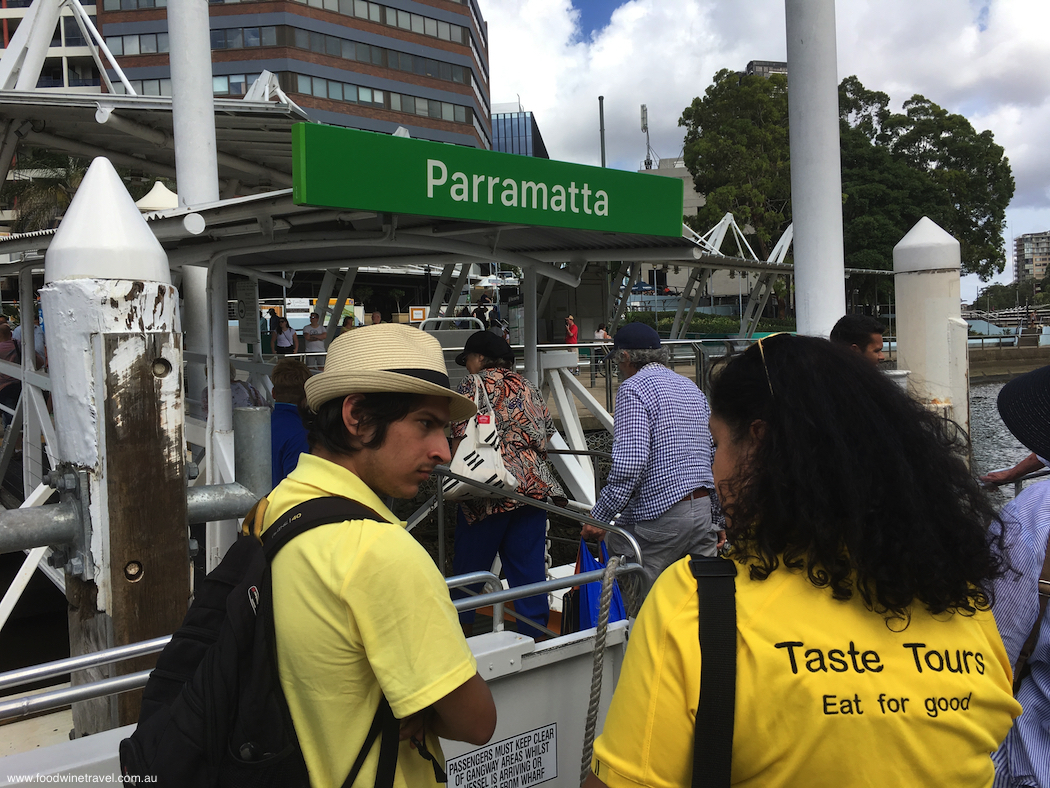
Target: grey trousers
x=683, y=529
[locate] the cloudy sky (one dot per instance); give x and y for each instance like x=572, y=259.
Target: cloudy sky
x=985, y=59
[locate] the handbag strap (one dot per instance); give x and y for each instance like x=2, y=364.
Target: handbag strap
x=716, y=591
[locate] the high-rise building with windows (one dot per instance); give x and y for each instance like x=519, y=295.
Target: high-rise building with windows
x=1031, y=255
x=516, y=131
x=421, y=64
x=69, y=65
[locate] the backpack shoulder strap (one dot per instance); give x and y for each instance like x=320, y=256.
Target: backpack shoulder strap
x=716, y=589
x=310, y=514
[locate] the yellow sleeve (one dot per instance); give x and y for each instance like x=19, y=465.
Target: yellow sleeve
x=408, y=627
x=647, y=739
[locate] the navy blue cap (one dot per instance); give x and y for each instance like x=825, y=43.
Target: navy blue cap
x=636, y=336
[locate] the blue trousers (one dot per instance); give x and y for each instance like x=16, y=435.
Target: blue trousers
x=519, y=537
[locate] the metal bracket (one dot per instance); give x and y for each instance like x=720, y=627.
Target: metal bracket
x=73, y=485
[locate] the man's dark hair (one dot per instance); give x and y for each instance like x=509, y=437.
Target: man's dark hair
x=856, y=330
x=883, y=506
x=325, y=428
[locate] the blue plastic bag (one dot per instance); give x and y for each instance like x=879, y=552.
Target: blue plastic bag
x=590, y=593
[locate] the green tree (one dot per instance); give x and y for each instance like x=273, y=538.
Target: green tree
x=736, y=147
x=42, y=187
x=1007, y=296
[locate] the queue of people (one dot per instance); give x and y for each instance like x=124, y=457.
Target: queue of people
x=882, y=604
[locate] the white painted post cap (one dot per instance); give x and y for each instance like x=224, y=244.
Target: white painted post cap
x=926, y=247
x=103, y=235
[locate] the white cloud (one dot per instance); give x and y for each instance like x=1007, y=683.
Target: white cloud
x=985, y=60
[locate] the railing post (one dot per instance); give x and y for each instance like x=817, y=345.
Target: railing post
x=441, y=524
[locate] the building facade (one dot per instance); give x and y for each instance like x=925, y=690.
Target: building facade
x=516, y=131
x=1031, y=255
x=421, y=64
x=69, y=65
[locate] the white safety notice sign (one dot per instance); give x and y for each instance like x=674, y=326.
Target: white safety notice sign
x=521, y=761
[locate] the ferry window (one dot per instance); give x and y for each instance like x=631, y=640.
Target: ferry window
x=251, y=36
x=303, y=84
x=364, y=95
x=443, y=31
x=131, y=45
x=220, y=86
x=404, y=20
x=234, y=38
x=421, y=107
x=447, y=111
x=335, y=90
x=302, y=38
x=162, y=42
x=268, y=36
x=333, y=46
x=361, y=8
x=461, y=114
x=115, y=44
x=395, y=101
x=408, y=104
x=430, y=27
x=148, y=44
x=417, y=23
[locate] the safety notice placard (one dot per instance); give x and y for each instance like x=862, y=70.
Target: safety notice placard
x=521, y=761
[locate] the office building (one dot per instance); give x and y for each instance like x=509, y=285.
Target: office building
x=68, y=66
x=355, y=63
x=516, y=131
x=763, y=68
x=1031, y=255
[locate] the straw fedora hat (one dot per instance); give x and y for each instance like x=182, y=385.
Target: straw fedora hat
x=386, y=357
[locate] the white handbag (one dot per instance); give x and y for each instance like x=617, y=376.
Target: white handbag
x=478, y=456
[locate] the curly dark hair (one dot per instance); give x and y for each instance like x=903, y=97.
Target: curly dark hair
x=325, y=427
x=853, y=481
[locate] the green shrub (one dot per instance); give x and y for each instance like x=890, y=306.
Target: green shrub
x=721, y=325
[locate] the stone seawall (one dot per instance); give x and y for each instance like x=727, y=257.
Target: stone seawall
x=995, y=364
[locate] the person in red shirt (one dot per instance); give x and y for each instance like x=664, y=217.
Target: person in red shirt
x=572, y=333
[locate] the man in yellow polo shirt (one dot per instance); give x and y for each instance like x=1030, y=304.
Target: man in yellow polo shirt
x=360, y=609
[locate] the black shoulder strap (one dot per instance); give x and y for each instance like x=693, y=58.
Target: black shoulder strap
x=298, y=520
x=716, y=589
x=310, y=514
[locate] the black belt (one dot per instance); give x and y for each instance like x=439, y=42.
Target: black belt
x=702, y=492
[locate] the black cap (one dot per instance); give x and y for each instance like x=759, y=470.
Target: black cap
x=1024, y=404
x=487, y=344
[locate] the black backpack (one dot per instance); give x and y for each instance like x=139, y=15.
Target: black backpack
x=213, y=711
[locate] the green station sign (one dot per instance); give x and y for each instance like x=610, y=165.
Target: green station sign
x=362, y=170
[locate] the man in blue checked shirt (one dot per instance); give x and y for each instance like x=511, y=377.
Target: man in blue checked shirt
x=1021, y=611
x=660, y=482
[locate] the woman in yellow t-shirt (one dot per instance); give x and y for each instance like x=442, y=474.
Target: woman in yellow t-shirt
x=866, y=651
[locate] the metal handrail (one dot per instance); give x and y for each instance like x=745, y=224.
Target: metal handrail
x=59, y=667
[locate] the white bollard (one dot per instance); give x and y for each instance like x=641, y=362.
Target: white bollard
x=116, y=370
x=931, y=334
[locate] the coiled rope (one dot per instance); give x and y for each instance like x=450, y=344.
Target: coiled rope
x=597, y=666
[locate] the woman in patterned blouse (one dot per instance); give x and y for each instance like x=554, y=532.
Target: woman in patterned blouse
x=515, y=530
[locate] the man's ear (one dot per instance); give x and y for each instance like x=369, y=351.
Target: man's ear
x=350, y=420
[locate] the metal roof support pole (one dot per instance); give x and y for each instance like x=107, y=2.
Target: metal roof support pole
x=621, y=305
x=453, y=300
x=531, y=325
x=687, y=296
x=622, y=273
x=27, y=53
x=701, y=283
x=816, y=177
x=119, y=430
x=334, y=324
x=324, y=294
x=220, y=466
x=252, y=448
x=7, y=150
x=756, y=303
x=546, y=297
x=32, y=456
x=197, y=172
x=440, y=290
